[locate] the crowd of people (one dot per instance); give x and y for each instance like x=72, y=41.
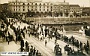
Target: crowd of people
x=20, y=35
x=51, y=32
x=25, y=47
x=41, y=32
x=77, y=43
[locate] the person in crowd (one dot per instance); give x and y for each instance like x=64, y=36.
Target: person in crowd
x=34, y=51
x=26, y=44
x=37, y=52
x=22, y=43
x=80, y=45
x=77, y=43
x=88, y=44
x=8, y=40
x=55, y=41
x=45, y=42
x=85, y=47
x=31, y=49
x=27, y=48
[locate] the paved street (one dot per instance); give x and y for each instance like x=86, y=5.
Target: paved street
x=44, y=28
x=39, y=45
x=49, y=49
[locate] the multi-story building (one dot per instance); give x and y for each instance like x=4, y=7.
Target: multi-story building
x=60, y=8
x=85, y=11
x=19, y=7
x=43, y=8
x=23, y=7
x=4, y=10
x=74, y=9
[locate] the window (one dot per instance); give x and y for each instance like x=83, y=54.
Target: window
x=14, y=9
x=47, y=3
x=19, y=6
x=23, y=3
x=14, y=3
x=47, y=6
x=40, y=6
x=23, y=9
x=23, y=6
x=31, y=9
x=19, y=9
x=32, y=6
x=35, y=3
x=19, y=3
x=43, y=9
x=51, y=4
x=51, y=9
x=44, y=4
x=40, y=9
x=28, y=4
x=47, y=10
x=32, y=3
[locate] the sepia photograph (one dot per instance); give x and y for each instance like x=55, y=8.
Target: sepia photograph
x=44, y=27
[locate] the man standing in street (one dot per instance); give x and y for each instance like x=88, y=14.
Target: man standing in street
x=26, y=45
x=45, y=42
x=22, y=45
x=8, y=40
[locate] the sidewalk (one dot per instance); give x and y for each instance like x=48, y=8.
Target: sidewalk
x=12, y=47
x=49, y=49
x=39, y=45
x=50, y=45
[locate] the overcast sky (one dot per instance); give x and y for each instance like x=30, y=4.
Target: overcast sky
x=80, y=2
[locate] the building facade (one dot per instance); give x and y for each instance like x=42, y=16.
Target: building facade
x=60, y=8
x=4, y=10
x=23, y=7
x=85, y=11
x=44, y=8
x=74, y=10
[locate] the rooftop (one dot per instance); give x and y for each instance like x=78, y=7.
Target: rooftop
x=74, y=5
